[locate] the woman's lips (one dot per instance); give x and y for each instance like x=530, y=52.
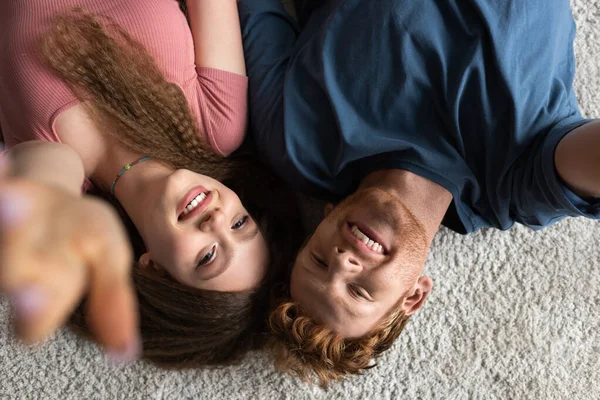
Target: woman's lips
x=191, y=195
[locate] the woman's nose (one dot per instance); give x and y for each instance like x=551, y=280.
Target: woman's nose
x=212, y=220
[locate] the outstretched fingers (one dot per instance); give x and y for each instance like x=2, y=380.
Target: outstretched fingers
x=44, y=287
x=54, y=250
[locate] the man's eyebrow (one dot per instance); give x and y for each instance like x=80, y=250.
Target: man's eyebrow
x=343, y=305
x=351, y=311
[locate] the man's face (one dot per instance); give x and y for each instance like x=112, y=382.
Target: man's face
x=362, y=259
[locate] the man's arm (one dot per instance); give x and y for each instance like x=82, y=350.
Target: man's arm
x=217, y=38
x=577, y=160
x=269, y=35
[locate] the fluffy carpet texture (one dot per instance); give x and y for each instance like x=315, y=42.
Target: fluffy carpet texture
x=513, y=315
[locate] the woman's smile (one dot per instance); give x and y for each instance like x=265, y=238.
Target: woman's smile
x=194, y=203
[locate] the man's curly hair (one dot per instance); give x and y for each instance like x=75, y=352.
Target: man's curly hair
x=315, y=353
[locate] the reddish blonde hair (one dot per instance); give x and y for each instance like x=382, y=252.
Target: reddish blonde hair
x=315, y=353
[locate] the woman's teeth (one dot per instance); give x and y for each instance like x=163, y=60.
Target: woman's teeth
x=193, y=204
x=373, y=245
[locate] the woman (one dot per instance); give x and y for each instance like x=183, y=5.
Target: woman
x=124, y=98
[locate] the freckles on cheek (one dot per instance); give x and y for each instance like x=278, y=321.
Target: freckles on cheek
x=394, y=276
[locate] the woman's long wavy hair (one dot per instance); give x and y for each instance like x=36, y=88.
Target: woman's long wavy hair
x=181, y=326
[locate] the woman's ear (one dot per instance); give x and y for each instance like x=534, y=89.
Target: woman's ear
x=145, y=260
x=418, y=295
x=146, y=263
x=328, y=208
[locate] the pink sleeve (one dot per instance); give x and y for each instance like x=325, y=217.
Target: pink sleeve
x=223, y=108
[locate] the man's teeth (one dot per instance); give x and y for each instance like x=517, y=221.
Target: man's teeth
x=193, y=204
x=373, y=245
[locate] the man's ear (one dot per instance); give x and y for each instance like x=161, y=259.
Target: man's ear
x=328, y=208
x=418, y=295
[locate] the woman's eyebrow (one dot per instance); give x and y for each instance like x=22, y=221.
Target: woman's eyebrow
x=224, y=261
x=249, y=235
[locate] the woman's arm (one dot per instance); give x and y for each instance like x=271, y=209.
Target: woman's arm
x=54, y=164
x=217, y=37
x=57, y=246
x=269, y=35
x=577, y=160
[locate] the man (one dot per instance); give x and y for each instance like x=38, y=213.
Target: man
x=416, y=114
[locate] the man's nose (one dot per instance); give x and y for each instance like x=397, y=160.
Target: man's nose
x=344, y=262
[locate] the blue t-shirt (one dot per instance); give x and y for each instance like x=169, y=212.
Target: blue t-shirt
x=474, y=95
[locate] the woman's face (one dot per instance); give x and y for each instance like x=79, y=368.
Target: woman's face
x=198, y=230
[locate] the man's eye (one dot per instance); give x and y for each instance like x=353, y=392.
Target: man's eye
x=360, y=293
x=241, y=222
x=319, y=261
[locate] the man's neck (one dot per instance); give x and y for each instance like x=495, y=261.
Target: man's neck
x=425, y=199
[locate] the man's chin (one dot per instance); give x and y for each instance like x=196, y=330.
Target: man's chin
x=373, y=207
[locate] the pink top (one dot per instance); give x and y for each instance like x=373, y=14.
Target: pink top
x=31, y=96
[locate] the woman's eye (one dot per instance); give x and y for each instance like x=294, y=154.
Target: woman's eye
x=207, y=257
x=241, y=222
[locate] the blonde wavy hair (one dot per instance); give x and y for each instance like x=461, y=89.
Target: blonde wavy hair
x=317, y=354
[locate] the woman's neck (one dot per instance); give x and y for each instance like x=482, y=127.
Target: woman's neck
x=137, y=186
x=110, y=162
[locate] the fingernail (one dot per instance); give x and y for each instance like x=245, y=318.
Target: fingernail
x=132, y=352
x=13, y=208
x=27, y=302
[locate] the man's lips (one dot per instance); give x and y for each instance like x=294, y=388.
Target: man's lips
x=191, y=195
x=370, y=233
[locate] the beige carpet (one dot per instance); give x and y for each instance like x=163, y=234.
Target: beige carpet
x=513, y=316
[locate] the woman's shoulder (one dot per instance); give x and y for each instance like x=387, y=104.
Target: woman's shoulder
x=219, y=100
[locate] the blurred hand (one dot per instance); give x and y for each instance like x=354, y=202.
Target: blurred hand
x=54, y=249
